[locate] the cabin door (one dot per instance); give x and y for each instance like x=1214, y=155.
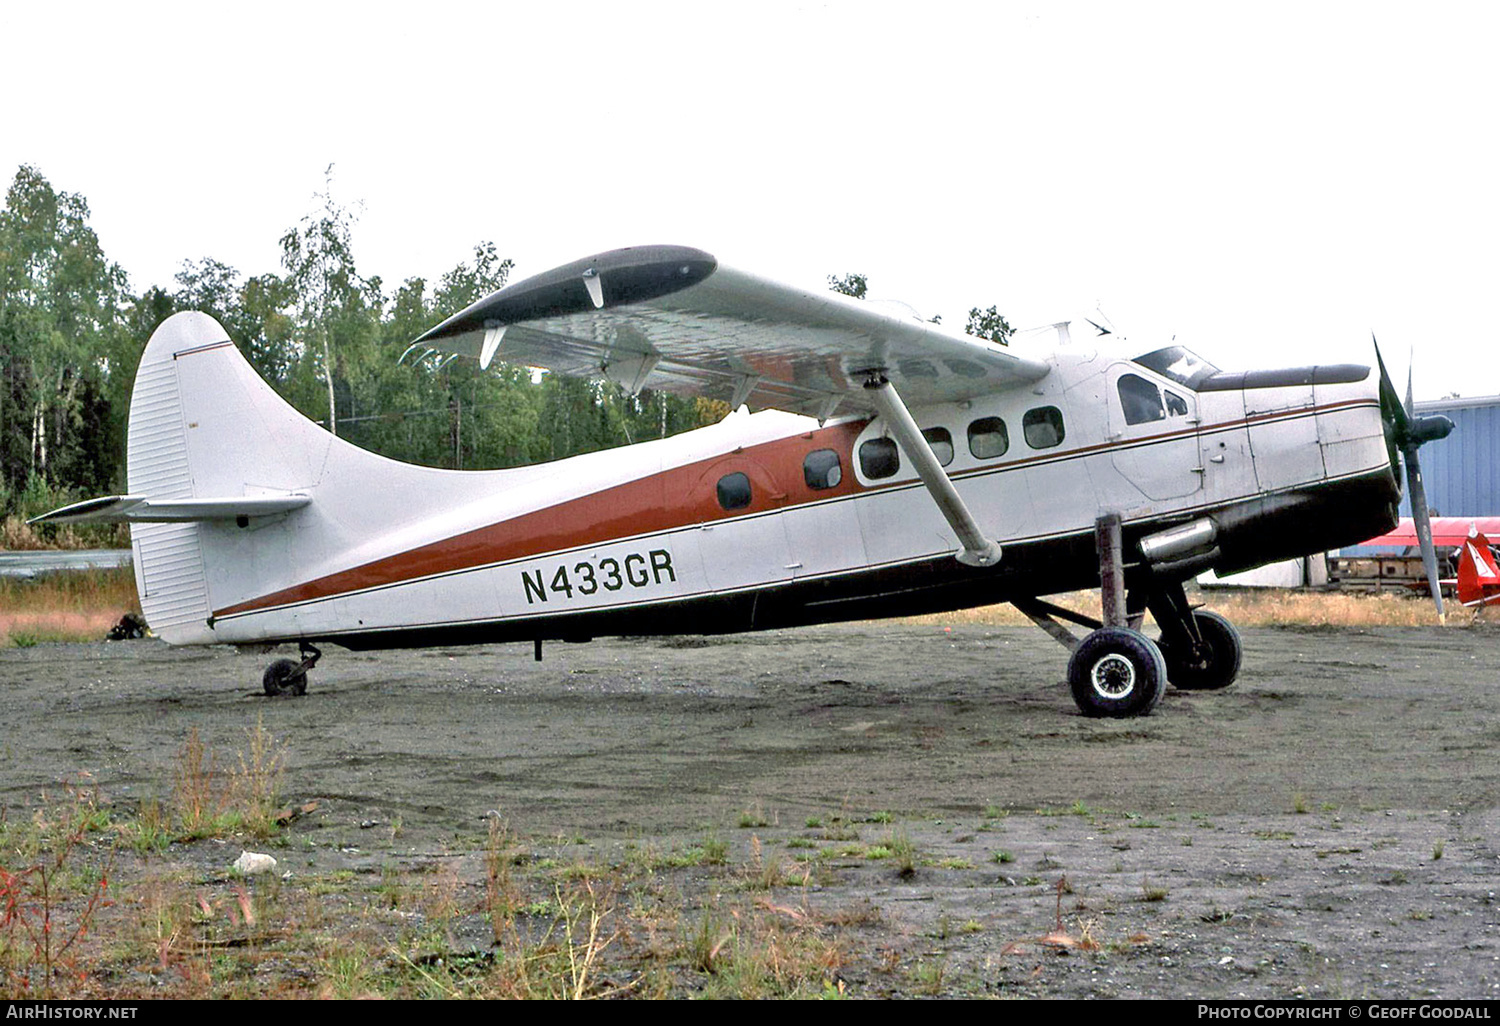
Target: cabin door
x=1153, y=431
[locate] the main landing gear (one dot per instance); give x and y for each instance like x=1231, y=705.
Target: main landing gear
x=1201, y=648
x=285, y=677
x=1117, y=671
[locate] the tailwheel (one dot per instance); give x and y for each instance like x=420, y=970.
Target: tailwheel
x=1117, y=672
x=286, y=677
x=1208, y=664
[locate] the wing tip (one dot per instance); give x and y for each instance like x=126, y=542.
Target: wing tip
x=618, y=277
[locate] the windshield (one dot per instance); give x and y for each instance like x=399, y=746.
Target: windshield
x=1179, y=364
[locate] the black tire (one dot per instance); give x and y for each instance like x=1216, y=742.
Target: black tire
x=284, y=677
x=1117, y=672
x=1222, y=666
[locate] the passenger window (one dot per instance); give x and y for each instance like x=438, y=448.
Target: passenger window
x=1043, y=427
x=822, y=469
x=941, y=444
x=734, y=491
x=878, y=458
x=1140, y=399
x=988, y=438
x=1176, y=405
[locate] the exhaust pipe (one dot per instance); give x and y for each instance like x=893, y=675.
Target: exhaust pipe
x=1181, y=542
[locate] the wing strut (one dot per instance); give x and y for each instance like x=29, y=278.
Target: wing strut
x=977, y=549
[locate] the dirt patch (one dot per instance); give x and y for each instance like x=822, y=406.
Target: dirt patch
x=924, y=800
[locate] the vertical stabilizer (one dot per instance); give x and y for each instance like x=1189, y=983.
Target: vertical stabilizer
x=207, y=431
x=169, y=570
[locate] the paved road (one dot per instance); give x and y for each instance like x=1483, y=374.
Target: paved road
x=29, y=564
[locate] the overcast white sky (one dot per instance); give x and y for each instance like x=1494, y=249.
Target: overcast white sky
x=1267, y=182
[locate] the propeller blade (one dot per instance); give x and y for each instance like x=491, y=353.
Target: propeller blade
x=1423, y=524
x=1406, y=431
x=1390, y=402
x=1411, y=406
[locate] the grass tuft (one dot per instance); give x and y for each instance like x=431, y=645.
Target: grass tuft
x=78, y=605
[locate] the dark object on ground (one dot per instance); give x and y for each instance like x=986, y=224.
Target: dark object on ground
x=130, y=626
x=285, y=677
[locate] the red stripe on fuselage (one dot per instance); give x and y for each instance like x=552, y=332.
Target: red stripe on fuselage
x=657, y=502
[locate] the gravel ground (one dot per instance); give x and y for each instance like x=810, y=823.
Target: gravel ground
x=1326, y=827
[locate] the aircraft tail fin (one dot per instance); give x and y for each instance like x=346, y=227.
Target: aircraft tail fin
x=205, y=429
x=1478, y=576
x=211, y=449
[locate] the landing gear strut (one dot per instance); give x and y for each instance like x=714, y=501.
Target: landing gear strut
x=1202, y=649
x=289, y=678
x=1117, y=671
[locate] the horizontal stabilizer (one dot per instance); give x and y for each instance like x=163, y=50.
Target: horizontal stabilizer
x=138, y=509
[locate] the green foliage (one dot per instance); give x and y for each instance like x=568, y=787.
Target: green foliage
x=63, y=351
x=855, y=285
x=988, y=324
x=328, y=338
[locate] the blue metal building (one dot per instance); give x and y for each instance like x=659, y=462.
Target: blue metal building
x=1462, y=471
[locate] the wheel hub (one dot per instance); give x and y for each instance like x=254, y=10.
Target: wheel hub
x=1113, y=677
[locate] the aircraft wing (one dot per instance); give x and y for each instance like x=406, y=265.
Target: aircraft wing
x=672, y=318
x=1449, y=532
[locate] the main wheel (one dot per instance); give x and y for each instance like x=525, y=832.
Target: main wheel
x=1117, y=672
x=284, y=677
x=1221, y=663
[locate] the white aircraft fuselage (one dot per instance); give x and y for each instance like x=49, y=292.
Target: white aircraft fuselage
x=645, y=540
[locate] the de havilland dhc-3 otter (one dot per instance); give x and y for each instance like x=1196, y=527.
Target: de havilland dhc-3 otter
x=895, y=467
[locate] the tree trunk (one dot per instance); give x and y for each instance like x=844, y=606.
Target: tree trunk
x=333, y=427
x=458, y=432
x=64, y=407
x=39, y=439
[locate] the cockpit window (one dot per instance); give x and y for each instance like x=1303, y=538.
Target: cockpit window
x=1140, y=399
x=1179, y=364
